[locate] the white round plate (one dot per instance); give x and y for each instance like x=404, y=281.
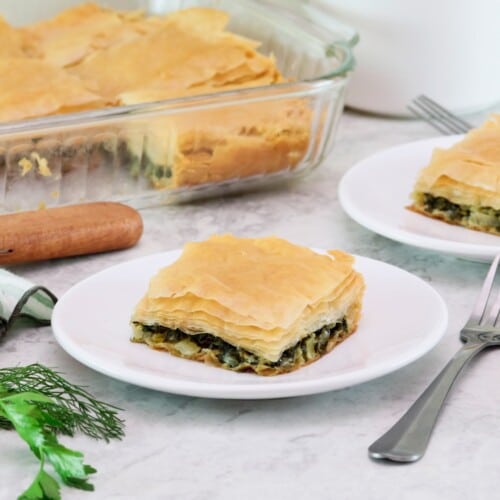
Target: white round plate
x=375, y=192
x=402, y=319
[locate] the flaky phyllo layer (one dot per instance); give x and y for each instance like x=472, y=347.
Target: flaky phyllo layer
x=90, y=56
x=263, y=305
x=461, y=185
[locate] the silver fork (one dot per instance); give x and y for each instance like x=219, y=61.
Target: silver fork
x=407, y=440
x=438, y=117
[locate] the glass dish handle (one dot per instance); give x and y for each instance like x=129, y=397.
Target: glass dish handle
x=339, y=36
x=320, y=17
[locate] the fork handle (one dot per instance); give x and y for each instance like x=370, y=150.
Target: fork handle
x=407, y=440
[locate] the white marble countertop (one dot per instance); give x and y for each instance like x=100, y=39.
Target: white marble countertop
x=187, y=448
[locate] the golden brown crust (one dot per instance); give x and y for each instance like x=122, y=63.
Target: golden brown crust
x=100, y=57
x=230, y=143
x=80, y=31
x=214, y=145
x=199, y=58
x=467, y=173
x=461, y=184
x=12, y=41
x=262, y=295
x=32, y=88
x=126, y=58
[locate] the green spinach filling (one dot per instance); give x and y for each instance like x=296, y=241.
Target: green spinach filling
x=481, y=216
x=235, y=358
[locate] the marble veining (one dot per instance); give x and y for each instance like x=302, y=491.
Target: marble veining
x=184, y=448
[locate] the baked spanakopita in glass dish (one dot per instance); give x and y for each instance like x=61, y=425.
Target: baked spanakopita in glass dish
x=91, y=57
x=163, y=105
x=259, y=305
x=461, y=184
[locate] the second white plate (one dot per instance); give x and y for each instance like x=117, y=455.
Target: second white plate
x=403, y=317
x=375, y=192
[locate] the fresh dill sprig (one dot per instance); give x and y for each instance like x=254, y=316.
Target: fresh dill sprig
x=38, y=403
x=71, y=406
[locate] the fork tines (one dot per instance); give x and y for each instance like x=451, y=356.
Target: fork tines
x=440, y=118
x=479, y=313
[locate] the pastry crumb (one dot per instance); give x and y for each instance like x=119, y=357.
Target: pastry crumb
x=42, y=164
x=26, y=166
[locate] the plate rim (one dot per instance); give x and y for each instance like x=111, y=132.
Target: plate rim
x=250, y=391
x=459, y=249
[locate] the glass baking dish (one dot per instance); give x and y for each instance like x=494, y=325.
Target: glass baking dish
x=178, y=150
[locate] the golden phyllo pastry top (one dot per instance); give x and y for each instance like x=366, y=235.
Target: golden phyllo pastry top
x=126, y=57
x=31, y=88
x=203, y=57
x=75, y=33
x=468, y=173
x=13, y=43
x=261, y=294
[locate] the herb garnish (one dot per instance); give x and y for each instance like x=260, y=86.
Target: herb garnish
x=39, y=404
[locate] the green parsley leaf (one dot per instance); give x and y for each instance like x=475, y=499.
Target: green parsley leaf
x=39, y=404
x=44, y=487
x=31, y=425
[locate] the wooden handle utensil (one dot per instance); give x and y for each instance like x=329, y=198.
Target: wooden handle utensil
x=66, y=231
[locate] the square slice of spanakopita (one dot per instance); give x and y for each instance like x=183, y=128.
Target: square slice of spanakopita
x=259, y=305
x=461, y=184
